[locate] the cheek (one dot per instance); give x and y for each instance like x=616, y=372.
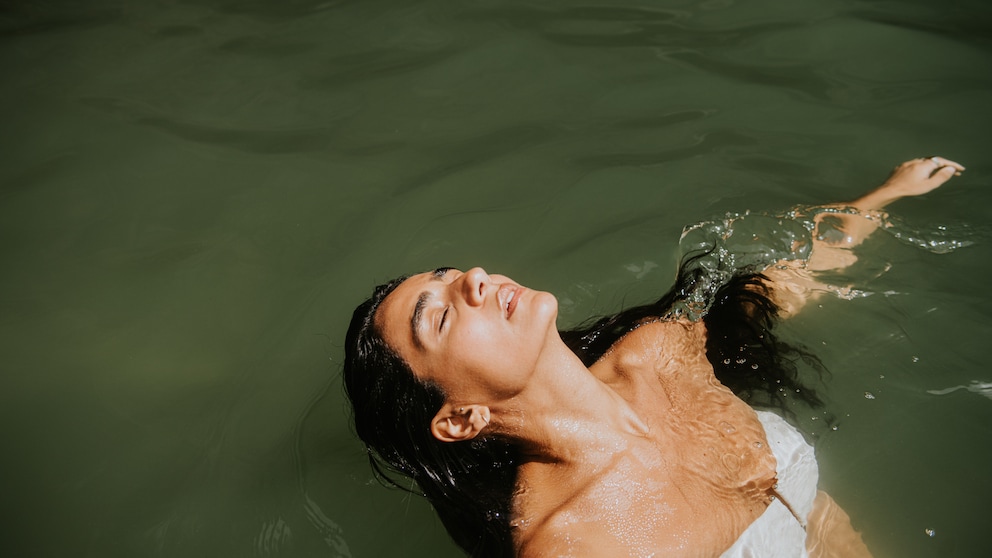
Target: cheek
x=476, y=343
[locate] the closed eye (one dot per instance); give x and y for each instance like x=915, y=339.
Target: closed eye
x=444, y=317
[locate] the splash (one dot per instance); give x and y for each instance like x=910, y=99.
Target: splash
x=750, y=242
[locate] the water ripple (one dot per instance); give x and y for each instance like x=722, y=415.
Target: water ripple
x=965, y=30
x=31, y=21
x=704, y=144
x=471, y=152
x=607, y=27
x=373, y=64
x=262, y=141
x=282, y=9
x=261, y=47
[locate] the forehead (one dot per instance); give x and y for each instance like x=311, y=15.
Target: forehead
x=396, y=311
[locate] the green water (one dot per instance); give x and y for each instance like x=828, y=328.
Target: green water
x=195, y=194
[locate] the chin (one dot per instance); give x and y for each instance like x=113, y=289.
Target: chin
x=546, y=303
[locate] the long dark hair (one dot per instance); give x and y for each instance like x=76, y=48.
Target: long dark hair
x=471, y=484
x=739, y=314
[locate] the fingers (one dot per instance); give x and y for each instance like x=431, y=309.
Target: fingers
x=941, y=162
x=943, y=169
x=943, y=174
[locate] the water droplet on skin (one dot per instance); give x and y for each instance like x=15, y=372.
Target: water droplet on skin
x=869, y=395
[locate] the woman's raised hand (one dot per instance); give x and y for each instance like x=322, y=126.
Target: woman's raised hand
x=912, y=178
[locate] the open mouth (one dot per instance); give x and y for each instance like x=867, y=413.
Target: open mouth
x=509, y=296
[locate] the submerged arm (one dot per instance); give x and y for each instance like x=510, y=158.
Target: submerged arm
x=835, y=234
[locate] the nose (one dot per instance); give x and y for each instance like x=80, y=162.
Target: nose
x=474, y=283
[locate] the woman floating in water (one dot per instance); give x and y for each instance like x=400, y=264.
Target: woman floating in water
x=623, y=438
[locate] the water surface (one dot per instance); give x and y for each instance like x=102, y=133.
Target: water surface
x=195, y=194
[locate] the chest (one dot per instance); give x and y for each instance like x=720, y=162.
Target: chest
x=647, y=502
x=713, y=439
x=701, y=476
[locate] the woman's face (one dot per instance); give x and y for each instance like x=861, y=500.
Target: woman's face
x=478, y=336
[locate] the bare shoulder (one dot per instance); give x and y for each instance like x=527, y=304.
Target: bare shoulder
x=662, y=334
x=659, y=344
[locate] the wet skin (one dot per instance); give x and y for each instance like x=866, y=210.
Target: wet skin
x=643, y=453
x=684, y=478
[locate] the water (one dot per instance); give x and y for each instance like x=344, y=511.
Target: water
x=196, y=194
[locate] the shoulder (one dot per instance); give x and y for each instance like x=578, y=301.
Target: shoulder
x=661, y=342
x=665, y=348
x=662, y=333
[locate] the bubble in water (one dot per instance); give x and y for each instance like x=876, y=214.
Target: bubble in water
x=930, y=532
x=834, y=428
x=916, y=358
x=869, y=395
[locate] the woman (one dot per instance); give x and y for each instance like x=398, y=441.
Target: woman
x=617, y=439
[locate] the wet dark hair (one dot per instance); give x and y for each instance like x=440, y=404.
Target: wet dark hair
x=471, y=484
x=747, y=356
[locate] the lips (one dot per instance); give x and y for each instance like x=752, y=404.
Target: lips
x=508, y=297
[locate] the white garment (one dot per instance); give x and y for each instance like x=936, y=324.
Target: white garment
x=777, y=533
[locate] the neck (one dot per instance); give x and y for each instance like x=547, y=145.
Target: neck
x=565, y=412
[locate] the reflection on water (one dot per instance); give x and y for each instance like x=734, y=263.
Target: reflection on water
x=194, y=195
x=981, y=388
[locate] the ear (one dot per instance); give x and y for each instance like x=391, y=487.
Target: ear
x=459, y=423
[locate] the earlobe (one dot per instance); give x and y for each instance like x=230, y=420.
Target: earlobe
x=458, y=424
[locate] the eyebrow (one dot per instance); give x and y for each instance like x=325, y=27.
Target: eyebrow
x=418, y=309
